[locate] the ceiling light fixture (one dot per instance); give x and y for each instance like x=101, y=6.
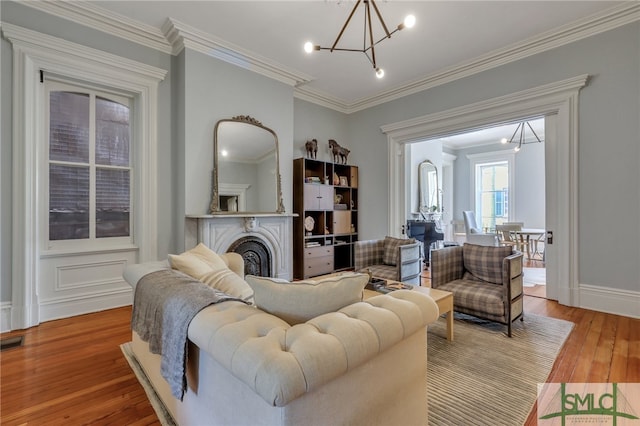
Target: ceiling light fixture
x=521, y=138
x=369, y=50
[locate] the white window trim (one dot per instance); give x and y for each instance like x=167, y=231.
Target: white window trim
x=559, y=98
x=32, y=52
x=493, y=157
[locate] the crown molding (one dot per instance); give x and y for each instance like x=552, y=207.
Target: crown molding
x=175, y=36
x=183, y=36
x=320, y=98
x=92, y=16
x=609, y=19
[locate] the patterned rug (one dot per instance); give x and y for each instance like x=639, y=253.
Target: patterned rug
x=484, y=377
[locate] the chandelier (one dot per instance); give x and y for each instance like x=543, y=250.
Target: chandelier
x=521, y=139
x=368, y=43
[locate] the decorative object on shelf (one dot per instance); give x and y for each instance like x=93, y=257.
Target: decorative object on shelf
x=340, y=153
x=312, y=148
x=344, y=181
x=522, y=139
x=336, y=179
x=408, y=22
x=337, y=199
x=309, y=224
x=326, y=231
x=352, y=204
x=353, y=228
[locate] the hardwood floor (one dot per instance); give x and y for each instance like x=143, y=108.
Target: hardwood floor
x=72, y=372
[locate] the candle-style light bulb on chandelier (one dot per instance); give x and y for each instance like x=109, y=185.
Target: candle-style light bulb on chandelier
x=521, y=140
x=368, y=49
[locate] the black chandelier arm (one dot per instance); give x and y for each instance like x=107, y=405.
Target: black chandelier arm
x=514, y=133
x=534, y=132
x=344, y=27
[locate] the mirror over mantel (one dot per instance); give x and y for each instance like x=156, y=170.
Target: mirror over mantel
x=246, y=168
x=428, y=188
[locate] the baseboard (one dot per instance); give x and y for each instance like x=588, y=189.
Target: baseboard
x=69, y=307
x=610, y=300
x=5, y=317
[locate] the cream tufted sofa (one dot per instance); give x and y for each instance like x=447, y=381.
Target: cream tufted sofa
x=364, y=364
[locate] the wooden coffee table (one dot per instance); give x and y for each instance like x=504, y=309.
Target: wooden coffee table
x=444, y=300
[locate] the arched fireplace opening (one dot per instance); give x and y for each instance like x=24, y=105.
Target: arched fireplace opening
x=256, y=255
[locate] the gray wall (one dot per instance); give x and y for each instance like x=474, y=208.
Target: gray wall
x=199, y=90
x=315, y=122
x=529, y=190
x=608, y=148
x=215, y=90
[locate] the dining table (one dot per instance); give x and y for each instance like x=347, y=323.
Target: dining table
x=532, y=235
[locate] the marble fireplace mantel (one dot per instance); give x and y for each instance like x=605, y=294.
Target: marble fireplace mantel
x=220, y=231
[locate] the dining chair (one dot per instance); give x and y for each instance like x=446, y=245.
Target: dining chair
x=474, y=234
x=510, y=235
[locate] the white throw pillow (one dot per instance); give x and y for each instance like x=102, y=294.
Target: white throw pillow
x=207, y=266
x=299, y=301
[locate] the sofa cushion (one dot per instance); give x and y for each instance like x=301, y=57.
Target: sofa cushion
x=391, y=244
x=485, y=262
x=207, y=266
x=299, y=301
x=476, y=296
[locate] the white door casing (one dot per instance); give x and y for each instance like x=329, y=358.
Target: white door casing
x=560, y=100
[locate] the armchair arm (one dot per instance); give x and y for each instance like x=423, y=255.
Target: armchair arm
x=512, y=275
x=409, y=263
x=447, y=265
x=367, y=253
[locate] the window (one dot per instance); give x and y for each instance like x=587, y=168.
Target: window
x=493, y=184
x=89, y=164
x=493, y=187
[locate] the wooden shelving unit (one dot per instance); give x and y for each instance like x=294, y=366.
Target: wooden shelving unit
x=327, y=246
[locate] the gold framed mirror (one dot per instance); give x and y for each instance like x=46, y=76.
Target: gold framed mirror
x=246, y=168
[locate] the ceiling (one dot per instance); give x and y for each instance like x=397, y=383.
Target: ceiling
x=493, y=135
x=447, y=35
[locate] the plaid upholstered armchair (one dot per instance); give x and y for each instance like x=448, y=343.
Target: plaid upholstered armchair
x=486, y=281
x=390, y=259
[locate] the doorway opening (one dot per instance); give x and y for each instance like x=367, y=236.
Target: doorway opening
x=504, y=183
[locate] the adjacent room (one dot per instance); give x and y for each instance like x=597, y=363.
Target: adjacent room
x=318, y=212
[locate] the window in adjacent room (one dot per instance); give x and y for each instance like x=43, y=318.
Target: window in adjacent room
x=492, y=185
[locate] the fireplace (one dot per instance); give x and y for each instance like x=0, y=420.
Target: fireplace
x=264, y=240
x=256, y=255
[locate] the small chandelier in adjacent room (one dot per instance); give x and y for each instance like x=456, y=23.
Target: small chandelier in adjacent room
x=521, y=139
x=369, y=43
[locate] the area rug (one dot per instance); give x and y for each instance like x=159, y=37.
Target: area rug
x=158, y=406
x=483, y=377
x=534, y=276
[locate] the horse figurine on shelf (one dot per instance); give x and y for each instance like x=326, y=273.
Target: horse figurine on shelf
x=340, y=154
x=312, y=148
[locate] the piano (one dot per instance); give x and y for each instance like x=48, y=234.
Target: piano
x=425, y=231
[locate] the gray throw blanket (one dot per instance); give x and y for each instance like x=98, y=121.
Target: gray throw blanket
x=165, y=302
